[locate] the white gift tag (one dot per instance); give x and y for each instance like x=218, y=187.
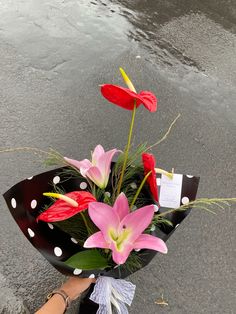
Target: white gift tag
x=170, y=191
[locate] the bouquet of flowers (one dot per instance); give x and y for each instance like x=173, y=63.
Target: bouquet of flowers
x=103, y=218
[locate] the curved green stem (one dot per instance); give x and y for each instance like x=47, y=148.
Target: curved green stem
x=85, y=222
x=139, y=189
x=127, y=150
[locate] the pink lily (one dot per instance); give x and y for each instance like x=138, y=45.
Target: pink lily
x=99, y=169
x=121, y=230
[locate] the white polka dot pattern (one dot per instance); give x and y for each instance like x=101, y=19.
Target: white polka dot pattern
x=185, y=200
x=13, y=203
x=31, y=232
x=156, y=208
x=74, y=240
x=50, y=226
x=83, y=185
x=133, y=185
x=56, y=179
x=58, y=251
x=33, y=204
x=77, y=271
x=153, y=228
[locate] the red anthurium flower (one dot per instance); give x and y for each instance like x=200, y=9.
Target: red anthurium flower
x=126, y=98
x=66, y=206
x=149, y=165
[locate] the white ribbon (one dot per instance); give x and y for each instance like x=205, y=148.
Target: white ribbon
x=109, y=291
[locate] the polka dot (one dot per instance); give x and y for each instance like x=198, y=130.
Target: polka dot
x=156, y=208
x=108, y=194
x=77, y=271
x=13, y=203
x=30, y=178
x=153, y=228
x=56, y=179
x=83, y=185
x=57, y=251
x=185, y=200
x=137, y=250
x=33, y=204
x=50, y=226
x=177, y=226
x=189, y=176
x=31, y=232
x=92, y=276
x=158, y=181
x=133, y=185
x=74, y=240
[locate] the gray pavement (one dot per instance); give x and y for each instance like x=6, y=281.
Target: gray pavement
x=53, y=56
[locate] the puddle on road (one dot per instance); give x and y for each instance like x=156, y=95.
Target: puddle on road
x=52, y=33
x=180, y=33
x=49, y=33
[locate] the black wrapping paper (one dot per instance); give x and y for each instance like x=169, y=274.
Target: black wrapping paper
x=25, y=201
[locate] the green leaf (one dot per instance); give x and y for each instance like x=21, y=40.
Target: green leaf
x=86, y=260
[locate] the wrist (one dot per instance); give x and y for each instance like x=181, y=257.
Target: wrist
x=61, y=298
x=73, y=287
x=70, y=291
x=60, y=301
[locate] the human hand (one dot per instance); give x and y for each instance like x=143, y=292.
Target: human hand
x=74, y=286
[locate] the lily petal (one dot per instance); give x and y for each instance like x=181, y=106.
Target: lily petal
x=121, y=206
x=96, y=240
x=97, y=153
x=94, y=174
x=137, y=221
x=147, y=241
x=120, y=257
x=82, y=165
x=104, y=218
x=104, y=164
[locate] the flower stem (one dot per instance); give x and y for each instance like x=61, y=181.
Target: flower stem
x=86, y=223
x=127, y=149
x=139, y=189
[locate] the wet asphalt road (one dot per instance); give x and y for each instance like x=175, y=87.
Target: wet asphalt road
x=54, y=55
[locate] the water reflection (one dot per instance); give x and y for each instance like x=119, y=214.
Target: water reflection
x=49, y=33
x=180, y=19
x=158, y=12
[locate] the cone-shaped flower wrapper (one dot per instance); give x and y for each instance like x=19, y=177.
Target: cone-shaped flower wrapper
x=26, y=201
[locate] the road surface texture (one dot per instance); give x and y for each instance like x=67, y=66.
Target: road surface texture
x=53, y=56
